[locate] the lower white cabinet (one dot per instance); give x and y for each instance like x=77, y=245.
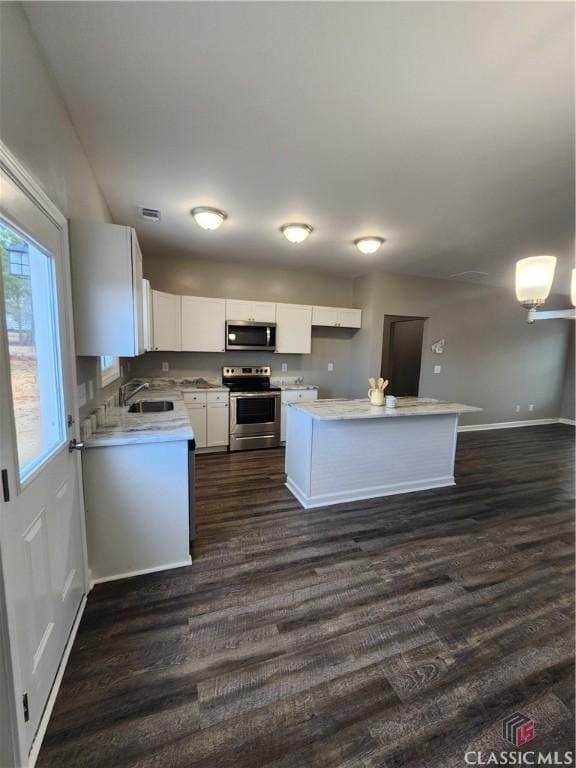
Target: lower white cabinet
x=166, y=321
x=294, y=396
x=209, y=415
x=293, y=329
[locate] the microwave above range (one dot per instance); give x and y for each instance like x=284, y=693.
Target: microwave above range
x=250, y=336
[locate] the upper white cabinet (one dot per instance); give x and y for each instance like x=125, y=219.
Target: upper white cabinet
x=166, y=321
x=107, y=289
x=293, y=329
x=337, y=317
x=147, y=316
x=203, y=324
x=251, y=311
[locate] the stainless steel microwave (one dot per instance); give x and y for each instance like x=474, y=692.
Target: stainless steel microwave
x=250, y=336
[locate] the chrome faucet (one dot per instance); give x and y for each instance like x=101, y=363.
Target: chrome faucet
x=123, y=398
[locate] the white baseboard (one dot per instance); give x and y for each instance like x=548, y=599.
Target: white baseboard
x=571, y=422
x=142, y=572
x=342, y=497
x=511, y=424
x=45, y=719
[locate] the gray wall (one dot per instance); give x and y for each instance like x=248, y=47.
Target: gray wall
x=493, y=358
x=568, y=396
x=202, y=277
x=35, y=125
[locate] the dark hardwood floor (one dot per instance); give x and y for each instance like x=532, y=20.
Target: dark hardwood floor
x=384, y=633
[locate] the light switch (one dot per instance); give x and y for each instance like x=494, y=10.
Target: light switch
x=90, y=390
x=330, y=366
x=165, y=367
x=437, y=368
x=284, y=367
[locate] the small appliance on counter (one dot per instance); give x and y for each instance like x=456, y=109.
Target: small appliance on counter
x=255, y=408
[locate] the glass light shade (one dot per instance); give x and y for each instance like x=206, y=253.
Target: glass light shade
x=534, y=277
x=368, y=245
x=573, y=287
x=209, y=218
x=296, y=233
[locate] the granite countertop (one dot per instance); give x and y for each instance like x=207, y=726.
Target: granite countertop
x=333, y=410
x=123, y=428
x=286, y=387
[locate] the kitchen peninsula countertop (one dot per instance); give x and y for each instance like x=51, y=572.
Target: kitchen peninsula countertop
x=332, y=410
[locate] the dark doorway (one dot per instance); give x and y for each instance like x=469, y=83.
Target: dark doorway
x=402, y=353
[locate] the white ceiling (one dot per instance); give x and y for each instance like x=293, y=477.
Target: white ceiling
x=447, y=128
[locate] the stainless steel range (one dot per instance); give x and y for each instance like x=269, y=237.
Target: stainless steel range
x=254, y=408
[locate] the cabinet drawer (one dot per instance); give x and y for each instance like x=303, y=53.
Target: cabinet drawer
x=217, y=397
x=299, y=395
x=191, y=398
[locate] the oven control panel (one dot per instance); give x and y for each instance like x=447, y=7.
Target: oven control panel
x=246, y=371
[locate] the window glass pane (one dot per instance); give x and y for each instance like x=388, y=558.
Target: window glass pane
x=28, y=281
x=109, y=369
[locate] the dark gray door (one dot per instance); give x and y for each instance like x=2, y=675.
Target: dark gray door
x=402, y=354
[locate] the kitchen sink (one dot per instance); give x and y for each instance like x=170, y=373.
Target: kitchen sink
x=151, y=406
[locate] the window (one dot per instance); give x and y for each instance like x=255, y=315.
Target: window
x=109, y=370
x=31, y=314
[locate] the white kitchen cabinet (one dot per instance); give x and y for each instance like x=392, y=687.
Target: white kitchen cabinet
x=294, y=396
x=147, y=316
x=203, y=324
x=107, y=286
x=336, y=317
x=251, y=311
x=166, y=321
x=209, y=415
x=293, y=329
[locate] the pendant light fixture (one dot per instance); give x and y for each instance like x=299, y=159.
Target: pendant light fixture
x=534, y=277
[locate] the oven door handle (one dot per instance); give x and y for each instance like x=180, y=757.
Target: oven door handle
x=236, y=395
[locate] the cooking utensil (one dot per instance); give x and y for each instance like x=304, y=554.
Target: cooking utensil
x=372, y=383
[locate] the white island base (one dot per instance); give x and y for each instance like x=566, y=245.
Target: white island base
x=336, y=455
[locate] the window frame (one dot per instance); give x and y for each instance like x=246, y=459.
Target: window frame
x=109, y=373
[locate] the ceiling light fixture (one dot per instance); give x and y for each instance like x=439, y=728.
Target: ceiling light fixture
x=534, y=276
x=368, y=245
x=209, y=218
x=296, y=233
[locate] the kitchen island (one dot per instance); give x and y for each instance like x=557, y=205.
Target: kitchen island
x=344, y=450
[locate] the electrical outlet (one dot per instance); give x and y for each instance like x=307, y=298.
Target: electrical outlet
x=284, y=367
x=437, y=368
x=165, y=367
x=330, y=366
x=121, y=371
x=531, y=407
x=81, y=394
x=517, y=409
x=90, y=390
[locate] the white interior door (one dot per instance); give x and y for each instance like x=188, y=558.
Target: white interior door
x=41, y=530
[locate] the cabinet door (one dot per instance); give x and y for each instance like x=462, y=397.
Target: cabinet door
x=137, y=277
x=264, y=312
x=166, y=321
x=294, y=329
x=238, y=310
x=148, y=336
x=197, y=415
x=218, y=424
x=349, y=318
x=203, y=324
x=324, y=316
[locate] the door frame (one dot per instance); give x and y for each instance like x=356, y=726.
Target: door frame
x=389, y=320
x=10, y=164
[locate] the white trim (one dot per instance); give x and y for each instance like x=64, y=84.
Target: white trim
x=567, y=421
x=507, y=425
x=143, y=572
x=342, y=497
x=46, y=715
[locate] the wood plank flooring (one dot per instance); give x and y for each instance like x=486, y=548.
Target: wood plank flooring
x=384, y=633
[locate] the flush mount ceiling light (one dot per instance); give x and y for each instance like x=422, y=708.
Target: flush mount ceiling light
x=296, y=233
x=534, y=277
x=368, y=245
x=209, y=218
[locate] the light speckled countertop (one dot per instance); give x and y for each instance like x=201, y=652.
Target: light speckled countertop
x=123, y=428
x=333, y=410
